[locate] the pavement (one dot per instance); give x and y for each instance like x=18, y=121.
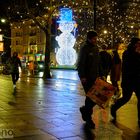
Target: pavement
x=49, y=110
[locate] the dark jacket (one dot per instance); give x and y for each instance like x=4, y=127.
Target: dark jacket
x=89, y=65
x=106, y=61
x=115, y=67
x=15, y=64
x=130, y=69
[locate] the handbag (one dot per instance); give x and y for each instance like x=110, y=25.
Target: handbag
x=101, y=92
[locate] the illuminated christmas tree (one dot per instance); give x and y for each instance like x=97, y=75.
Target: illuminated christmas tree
x=117, y=20
x=109, y=24
x=132, y=18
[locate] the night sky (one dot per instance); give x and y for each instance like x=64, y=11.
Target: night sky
x=3, y=6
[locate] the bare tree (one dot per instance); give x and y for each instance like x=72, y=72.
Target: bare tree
x=42, y=12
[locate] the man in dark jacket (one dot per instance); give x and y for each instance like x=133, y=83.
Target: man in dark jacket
x=88, y=70
x=106, y=60
x=15, y=64
x=130, y=76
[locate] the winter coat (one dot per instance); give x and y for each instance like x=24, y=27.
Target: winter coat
x=115, y=67
x=15, y=63
x=130, y=69
x=89, y=65
x=106, y=61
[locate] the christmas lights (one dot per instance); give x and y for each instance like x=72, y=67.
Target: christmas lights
x=66, y=55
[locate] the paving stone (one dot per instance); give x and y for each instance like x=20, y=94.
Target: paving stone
x=49, y=110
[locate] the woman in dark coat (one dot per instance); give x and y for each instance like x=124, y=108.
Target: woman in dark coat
x=130, y=76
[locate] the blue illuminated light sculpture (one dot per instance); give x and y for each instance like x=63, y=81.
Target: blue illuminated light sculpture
x=66, y=55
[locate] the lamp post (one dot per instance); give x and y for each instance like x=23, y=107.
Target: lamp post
x=5, y=30
x=3, y=20
x=105, y=31
x=94, y=3
x=95, y=9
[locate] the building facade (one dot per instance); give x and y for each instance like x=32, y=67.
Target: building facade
x=28, y=40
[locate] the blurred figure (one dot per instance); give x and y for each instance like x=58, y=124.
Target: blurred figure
x=115, y=73
x=130, y=76
x=7, y=67
x=31, y=67
x=106, y=61
x=15, y=64
x=89, y=68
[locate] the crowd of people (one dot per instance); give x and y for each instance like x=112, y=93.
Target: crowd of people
x=93, y=63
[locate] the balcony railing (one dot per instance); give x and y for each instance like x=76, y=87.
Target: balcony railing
x=32, y=43
x=33, y=34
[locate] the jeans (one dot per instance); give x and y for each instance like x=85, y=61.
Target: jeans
x=127, y=92
x=89, y=104
x=15, y=77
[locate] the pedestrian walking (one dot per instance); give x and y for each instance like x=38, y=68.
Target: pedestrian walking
x=106, y=61
x=31, y=67
x=89, y=68
x=115, y=73
x=15, y=64
x=130, y=77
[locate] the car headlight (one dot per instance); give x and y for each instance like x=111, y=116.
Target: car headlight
x=40, y=66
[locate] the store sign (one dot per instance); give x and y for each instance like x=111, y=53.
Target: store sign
x=1, y=37
x=1, y=46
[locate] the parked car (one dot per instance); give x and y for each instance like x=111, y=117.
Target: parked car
x=38, y=65
x=23, y=63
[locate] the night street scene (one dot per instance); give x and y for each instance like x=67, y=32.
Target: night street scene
x=42, y=92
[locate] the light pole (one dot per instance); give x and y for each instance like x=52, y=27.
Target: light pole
x=105, y=31
x=95, y=9
x=3, y=20
x=94, y=3
x=5, y=30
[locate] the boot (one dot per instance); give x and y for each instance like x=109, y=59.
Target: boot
x=83, y=113
x=90, y=124
x=86, y=116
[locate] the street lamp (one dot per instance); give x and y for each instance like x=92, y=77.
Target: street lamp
x=3, y=20
x=105, y=31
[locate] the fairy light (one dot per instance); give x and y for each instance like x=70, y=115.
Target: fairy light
x=107, y=18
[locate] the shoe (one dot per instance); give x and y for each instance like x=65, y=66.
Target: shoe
x=83, y=113
x=113, y=113
x=90, y=124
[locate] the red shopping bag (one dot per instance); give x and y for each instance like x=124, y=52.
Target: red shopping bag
x=101, y=92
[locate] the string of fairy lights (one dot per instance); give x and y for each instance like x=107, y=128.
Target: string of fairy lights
x=116, y=24
x=111, y=23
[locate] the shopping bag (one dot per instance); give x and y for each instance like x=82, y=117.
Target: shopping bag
x=101, y=92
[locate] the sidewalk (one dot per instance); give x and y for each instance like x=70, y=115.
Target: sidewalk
x=49, y=110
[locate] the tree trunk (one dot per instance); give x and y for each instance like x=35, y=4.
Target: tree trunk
x=47, y=73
